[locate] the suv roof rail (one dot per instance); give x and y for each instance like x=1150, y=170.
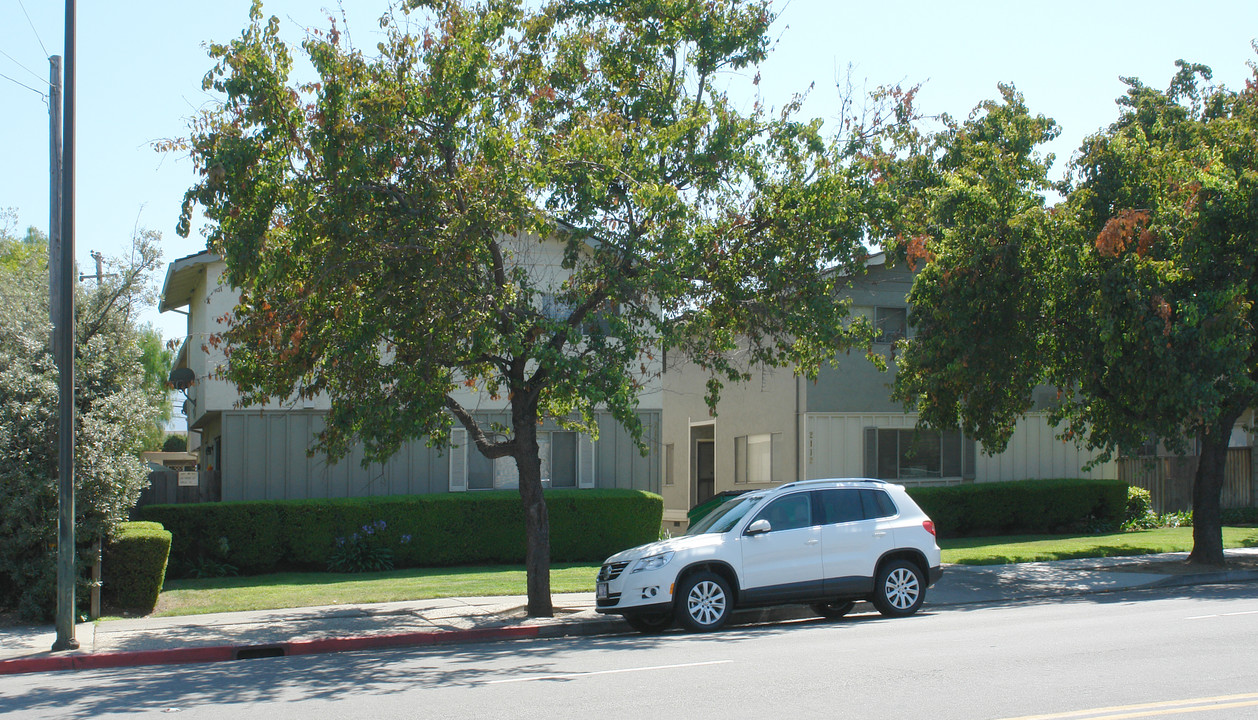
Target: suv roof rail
x=818, y=481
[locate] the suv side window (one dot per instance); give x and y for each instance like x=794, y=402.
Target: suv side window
x=878, y=504
x=788, y=512
x=840, y=506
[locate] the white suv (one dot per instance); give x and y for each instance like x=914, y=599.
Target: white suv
x=827, y=543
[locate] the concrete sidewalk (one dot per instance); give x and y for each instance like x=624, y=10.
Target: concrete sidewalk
x=302, y=631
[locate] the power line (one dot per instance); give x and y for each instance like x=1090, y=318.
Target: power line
x=15, y=62
x=28, y=22
x=40, y=93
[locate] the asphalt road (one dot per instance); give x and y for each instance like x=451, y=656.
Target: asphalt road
x=1187, y=652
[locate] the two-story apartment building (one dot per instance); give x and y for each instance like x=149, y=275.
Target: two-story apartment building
x=781, y=427
x=250, y=453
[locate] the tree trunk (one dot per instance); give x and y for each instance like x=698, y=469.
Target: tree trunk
x=536, y=518
x=1207, y=523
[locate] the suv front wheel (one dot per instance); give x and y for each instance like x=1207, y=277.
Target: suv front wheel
x=704, y=603
x=900, y=589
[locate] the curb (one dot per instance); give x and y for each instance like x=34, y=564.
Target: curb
x=1213, y=578
x=1170, y=581
x=222, y=653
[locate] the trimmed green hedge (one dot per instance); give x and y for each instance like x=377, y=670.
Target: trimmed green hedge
x=134, y=566
x=1024, y=507
x=1240, y=516
x=421, y=530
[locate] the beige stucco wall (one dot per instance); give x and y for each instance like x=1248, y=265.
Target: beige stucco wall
x=767, y=404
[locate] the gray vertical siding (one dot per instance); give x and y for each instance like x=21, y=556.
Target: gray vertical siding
x=617, y=461
x=265, y=458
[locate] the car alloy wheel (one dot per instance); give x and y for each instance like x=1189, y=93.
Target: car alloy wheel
x=900, y=590
x=704, y=603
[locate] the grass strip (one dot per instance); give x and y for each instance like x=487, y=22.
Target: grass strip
x=1038, y=548
x=307, y=589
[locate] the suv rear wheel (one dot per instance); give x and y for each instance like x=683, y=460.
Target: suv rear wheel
x=899, y=589
x=704, y=603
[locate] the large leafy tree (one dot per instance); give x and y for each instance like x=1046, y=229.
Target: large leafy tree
x=1134, y=298
x=114, y=409
x=380, y=220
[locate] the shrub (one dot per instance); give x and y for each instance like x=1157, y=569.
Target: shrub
x=1240, y=516
x=1180, y=518
x=1139, y=514
x=443, y=529
x=207, y=536
x=1024, y=507
x=134, y=566
x=175, y=443
x=1139, y=504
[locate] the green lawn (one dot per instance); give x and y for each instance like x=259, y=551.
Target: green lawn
x=1034, y=548
x=282, y=590
x=303, y=589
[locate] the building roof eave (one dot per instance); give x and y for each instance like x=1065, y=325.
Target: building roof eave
x=182, y=277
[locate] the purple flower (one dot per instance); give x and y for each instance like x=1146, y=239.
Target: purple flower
x=406, y=539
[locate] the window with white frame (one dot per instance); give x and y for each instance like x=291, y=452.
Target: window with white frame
x=753, y=458
x=558, y=451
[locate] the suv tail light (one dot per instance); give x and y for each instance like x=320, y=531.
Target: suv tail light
x=929, y=526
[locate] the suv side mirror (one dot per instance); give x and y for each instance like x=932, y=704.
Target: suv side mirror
x=759, y=527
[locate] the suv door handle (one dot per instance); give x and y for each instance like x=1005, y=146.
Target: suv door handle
x=813, y=541
x=880, y=533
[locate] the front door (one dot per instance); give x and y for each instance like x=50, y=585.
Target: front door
x=705, y=471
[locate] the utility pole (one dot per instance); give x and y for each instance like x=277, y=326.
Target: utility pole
x=67, y=573
x=54, y=195
x=100, y=269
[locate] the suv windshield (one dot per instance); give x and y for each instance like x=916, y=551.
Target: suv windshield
x=726, y=515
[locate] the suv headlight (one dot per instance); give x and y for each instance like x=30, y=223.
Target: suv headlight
x=652, y=562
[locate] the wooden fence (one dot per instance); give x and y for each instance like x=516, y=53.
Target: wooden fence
x=164, y=488
x=1169, y=480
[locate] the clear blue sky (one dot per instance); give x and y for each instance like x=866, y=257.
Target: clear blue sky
x=141, y=64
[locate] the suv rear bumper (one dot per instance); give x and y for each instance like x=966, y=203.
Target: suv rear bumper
x=934, y=575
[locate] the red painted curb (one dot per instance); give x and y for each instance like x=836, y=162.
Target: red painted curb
x=220, y=653
x=173, y=656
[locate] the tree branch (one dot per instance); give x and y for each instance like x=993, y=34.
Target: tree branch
x=489, y=449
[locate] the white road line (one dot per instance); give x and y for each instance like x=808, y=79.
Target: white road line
x=1232, y=614
x=572, y=676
